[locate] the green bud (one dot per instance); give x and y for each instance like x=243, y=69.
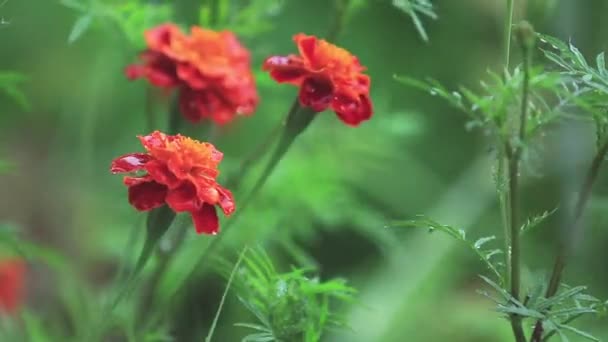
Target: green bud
x=524, y=32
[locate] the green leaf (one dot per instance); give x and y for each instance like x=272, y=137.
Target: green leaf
x=80, y=26
x=9, y=83
x=74, y=4
x=601, y=64
x=412, y=8
x=480, y=242
x=535, y=221
x=457, y=234
x=578, y=332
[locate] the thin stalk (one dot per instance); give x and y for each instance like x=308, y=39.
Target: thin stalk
x=224, y=295
x=567, y=244
x=214, y=13
x=514, y=159
x=507, y=33
x=505, y=210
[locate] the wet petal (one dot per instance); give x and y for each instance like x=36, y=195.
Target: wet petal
x=148, y=195
x=316, y=93
x=351, y=111
x=161, y=173
x=129, y=162
x=183, y=198
x=226, y=201
x=205, y=220
x=306, y=46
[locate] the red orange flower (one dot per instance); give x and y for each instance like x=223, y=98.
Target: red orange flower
x=328, y=76
x=12, y=284
x=212, y=71
x=180, y=172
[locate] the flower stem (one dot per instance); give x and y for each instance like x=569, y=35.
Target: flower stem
x=297, y=120
x=507, y=32
x=514, y=153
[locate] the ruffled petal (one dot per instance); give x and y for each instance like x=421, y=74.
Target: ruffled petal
x=316, y=93
x=353, y=111
x=306, y=46
x=160, y=37
x=226, y=201
x=161, y=174
x=148, y=195
x=285, y=69
x=205, y=220
x=183, y=198
x=129, y=162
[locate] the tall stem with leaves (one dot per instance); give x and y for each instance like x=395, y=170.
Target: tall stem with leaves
x=297, y=120
x=514, y=153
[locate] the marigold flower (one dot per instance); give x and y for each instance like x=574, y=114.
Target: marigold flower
x=180, y=172
x=212, y=71
x=328, y=76
x=12, y=284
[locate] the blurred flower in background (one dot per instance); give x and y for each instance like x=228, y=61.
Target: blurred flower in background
x=211, y=69
x=12, y=284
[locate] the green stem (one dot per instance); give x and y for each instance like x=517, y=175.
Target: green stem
x=252, y=158
x=507, y=33
x=224, y=295
x=214, y=13
x=296, y=117
x=505, y=210
x=514, y=158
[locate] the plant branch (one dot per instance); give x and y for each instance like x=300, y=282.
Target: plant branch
x=567, y=244
x=514, y=150
x=507, y=33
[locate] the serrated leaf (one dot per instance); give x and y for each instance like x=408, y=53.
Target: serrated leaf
x=520, y=311
x=412, y=8
x=601, y=64
x=560, y=297
x=480, y=242
x=579, y=332
x=80, y=26
x=536, y=221
x=253, y=326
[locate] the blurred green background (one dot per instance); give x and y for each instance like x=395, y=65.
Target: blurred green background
x=330, y=200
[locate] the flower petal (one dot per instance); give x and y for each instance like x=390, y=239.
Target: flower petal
x=205, y=220
x=306, y=46
x=12, y=278
x=316, y=93
x=226, y=201
x=129, y=162
x=148, y=195
x=161, y=174
x=351, y=111
x=285, y=69
x=183, y=198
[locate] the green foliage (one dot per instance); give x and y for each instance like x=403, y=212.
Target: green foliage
x=10, y=83
x=588, y=81
x=556, y=312
x=416, y=8
x=485, y=255
x=288, y=305
x=132, y=17
x=536, y=221
x=249, y=18
x=491, y=108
